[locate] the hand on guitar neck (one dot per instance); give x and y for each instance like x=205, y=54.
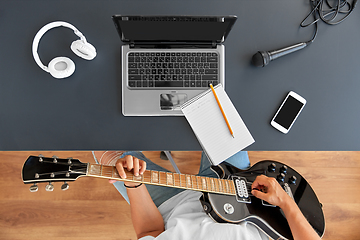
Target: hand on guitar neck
x=126, y=164
x=268, y=189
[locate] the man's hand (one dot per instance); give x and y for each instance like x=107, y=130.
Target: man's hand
x=268, y=189
x=130, y=163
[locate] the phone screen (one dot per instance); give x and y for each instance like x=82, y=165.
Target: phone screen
x=288, y=112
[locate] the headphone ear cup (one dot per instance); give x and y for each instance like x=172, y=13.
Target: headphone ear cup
x=83, y=49
x=61, y=67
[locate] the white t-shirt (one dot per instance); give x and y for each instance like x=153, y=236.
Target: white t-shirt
x=185, y=219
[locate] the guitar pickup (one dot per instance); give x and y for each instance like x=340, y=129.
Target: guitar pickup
x=242, y=192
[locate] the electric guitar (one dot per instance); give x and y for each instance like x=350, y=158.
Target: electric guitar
x=226, y=199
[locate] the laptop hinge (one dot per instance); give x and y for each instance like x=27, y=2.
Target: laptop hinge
x=172, y=45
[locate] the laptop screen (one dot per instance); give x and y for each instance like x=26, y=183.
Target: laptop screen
x=173, y=28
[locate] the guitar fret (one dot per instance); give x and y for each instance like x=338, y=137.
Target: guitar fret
x=138, y=178
x=115, y=173
x=220, y=186
x=106, y=171
x=227, y=186
x=183, y=180
x=162, y=178
x=94, y=169
x=154, y=177
x=194, y=182
x=213, y=184
x=147, y=177
x=233, y=188
x=204, y=185
x=169, y=179
x=129, y=175
x=230, y=184
x=176, y=179
x=188, y=181
x=199, y=183
x=223, y=184
x=209, y=185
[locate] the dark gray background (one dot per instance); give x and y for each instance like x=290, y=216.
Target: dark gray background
x=83, y=112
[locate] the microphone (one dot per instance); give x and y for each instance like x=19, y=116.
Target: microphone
x=263, y=58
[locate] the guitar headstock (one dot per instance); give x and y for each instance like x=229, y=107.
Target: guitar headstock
x=38, y=169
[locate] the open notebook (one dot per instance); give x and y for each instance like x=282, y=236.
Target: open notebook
x=205, y=118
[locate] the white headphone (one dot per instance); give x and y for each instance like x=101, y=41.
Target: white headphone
x=62, y=67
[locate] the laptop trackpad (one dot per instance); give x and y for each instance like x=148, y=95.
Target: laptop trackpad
x=172, y=101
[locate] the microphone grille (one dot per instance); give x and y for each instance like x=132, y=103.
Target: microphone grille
x=260, y=59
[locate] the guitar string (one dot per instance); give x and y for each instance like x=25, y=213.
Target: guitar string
x=98, y=172
x=220, y=190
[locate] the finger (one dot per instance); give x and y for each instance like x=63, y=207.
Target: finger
x=129, y=162
x=120, y=169
x=142, y=167
x=112, y=181
x=259, y=194
x=259, y=182
x=136, y=166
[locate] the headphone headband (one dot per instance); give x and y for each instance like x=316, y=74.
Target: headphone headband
x=43, y=30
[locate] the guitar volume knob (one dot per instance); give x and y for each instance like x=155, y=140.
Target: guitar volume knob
x=281, y=177
x=292, y=180
x=283, y=169
x=272, y=167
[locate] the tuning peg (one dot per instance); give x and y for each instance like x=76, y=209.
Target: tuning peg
x=54, y=159
x=49, y=187
x=34, y=188
x=65, y=186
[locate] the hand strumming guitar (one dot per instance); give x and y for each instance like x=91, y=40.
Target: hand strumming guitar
x=268, y=189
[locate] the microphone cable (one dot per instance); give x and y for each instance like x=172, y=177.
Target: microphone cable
x=328, y=14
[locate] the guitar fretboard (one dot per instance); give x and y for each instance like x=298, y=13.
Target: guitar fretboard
x=167, y=179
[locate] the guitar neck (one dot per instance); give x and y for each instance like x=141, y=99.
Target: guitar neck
x=167, y=179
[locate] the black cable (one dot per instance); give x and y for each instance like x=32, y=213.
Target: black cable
x=328, y=13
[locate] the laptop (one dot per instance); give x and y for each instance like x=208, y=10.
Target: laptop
x=167, y=60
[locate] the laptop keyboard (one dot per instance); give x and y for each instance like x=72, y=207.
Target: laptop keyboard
x=173, y=69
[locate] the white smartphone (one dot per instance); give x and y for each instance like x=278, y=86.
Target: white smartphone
x=288, y=112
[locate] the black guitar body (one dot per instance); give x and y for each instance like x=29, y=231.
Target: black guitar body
x=270, y=219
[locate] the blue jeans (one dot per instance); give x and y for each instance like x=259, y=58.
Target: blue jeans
x=160, y=194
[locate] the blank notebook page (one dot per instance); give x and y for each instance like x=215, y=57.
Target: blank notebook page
x=205, y=118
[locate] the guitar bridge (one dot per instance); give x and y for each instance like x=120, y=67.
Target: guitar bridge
x=242, y=192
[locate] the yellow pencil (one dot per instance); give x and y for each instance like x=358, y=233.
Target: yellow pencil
x=222, y=111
